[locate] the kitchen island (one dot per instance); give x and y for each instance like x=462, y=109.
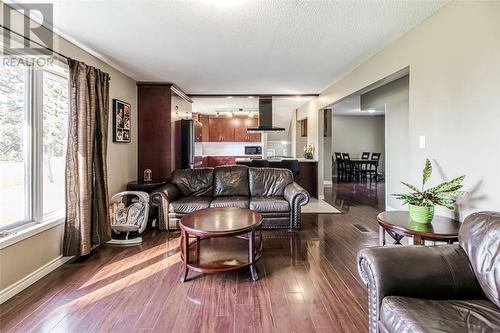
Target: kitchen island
x=308, y=172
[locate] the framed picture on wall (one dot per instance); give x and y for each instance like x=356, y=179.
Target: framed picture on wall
x=121, y=121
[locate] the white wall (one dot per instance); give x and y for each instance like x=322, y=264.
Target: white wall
x=395, y=97
x=454, y=97
x=23, y=258
x=327, y=147
x=356, y=134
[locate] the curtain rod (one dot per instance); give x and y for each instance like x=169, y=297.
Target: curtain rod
x=27, y=38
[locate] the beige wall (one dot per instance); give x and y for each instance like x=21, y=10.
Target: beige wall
x=395, y=97
x=300, y=141
x=28, y=255
x=454, y=97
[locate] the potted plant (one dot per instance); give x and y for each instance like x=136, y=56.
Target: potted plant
x=421, y=202
x=309, y=152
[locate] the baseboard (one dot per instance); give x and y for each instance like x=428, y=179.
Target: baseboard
x=321, y=197
x=33, y=277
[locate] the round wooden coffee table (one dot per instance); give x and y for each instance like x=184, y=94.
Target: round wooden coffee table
x=224, y=240
x=398, y=224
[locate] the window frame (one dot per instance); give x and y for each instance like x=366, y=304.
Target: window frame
x=33, y=154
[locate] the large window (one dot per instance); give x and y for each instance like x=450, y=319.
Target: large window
x=33, y=131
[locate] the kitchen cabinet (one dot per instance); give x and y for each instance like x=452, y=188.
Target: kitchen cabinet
x=240, y=129
x=233, y=129
x=221, y=129
x=198, y=136
x=228, y=130
x=157, y=109
x=214, y=161
x=215, y=131
x=205, y=128
x=253, y=137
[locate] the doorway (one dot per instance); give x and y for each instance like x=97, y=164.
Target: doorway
x=370, y=123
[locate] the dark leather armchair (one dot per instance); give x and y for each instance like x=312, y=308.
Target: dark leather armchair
x=269, y=191
x=449, y=288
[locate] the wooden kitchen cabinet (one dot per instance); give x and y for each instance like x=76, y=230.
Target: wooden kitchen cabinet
x=234, y=129
x=253, y=137
x=228, y=130
x=205, y=128
x=240, y=129
x=197, y=131
x=216, y=129
x=214, y=161
x=157, y=149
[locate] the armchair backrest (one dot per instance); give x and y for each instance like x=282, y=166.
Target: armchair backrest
x=480, y=238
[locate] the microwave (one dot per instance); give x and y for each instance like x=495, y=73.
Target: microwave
x=253, y=150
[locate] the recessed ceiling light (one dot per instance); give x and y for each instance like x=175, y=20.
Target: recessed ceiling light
x=251, y=97
x=229, y=97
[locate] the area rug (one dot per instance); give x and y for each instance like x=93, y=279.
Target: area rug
x=318, y=206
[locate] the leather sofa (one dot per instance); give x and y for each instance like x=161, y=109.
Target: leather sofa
x=272, y=192
x=449, y=288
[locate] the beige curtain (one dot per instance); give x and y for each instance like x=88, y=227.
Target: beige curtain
x=87, y=220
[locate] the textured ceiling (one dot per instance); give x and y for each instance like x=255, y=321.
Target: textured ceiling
x=222, y=46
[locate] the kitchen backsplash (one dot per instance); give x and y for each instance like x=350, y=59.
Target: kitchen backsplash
x=223, y=148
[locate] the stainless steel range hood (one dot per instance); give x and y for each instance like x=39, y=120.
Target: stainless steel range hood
x=265, y=118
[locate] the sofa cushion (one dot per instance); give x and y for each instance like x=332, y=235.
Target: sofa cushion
x=269, y=204
x=236, y=201
x=405, y=314
x=189, y=204
x=265, y=182
x=479, y=236
x=231, y=181
x=194, y=182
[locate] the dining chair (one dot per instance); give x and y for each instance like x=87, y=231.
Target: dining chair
x=348, y=166
x=259, y=163
x=292, y=165
x=340, y=166
x=363, y=167
x=373, y=166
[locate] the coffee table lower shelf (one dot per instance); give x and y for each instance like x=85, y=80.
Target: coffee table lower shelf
x=222, y=254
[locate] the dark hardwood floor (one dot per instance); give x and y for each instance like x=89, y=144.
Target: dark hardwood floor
x=308, y=283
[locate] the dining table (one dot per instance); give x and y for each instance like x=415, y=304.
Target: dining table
x=357, y=164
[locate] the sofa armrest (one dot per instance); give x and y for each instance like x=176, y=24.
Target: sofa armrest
x=161, y=198
x=437, y=272
x=297, y=197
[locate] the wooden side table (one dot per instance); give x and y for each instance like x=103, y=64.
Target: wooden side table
x=398, y=225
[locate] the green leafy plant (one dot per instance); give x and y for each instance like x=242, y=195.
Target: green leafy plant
x=444, y=194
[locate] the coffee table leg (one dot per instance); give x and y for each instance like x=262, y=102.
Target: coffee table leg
x=185, y=249
x=381, y=236
x=251, y=256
